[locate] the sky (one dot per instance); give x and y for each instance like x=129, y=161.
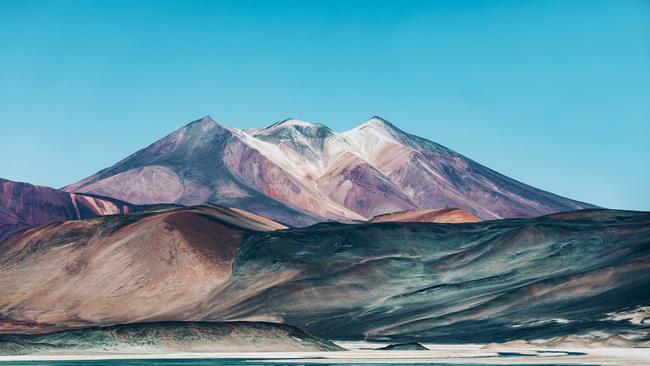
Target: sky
x=555, y=94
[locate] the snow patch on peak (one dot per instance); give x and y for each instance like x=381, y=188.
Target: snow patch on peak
x=375, y=130
x=289, y=128
x=289, y=122
x=307, y=145
x=378, y=123
x=371, y=138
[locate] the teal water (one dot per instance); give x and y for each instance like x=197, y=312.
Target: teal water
x=222, y=362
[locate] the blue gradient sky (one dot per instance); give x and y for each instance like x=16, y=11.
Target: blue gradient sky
x=553, y=93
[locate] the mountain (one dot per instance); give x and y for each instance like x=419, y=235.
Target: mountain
x=299, y=173
x=442, y=216
x=168, y=337
x=24, y=205
x=563, y=274
x=203, y=162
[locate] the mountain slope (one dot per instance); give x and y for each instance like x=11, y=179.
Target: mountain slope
x=24, y=205
x=159, y=262
x=491, y=280
x=299, y=173
x=442, y=216
x=438, y=177
x=194, y=165
x=462, y=282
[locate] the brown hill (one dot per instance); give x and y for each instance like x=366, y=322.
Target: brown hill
x=146, y=266
x=443, y=215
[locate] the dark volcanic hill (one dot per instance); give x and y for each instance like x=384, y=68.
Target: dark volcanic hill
x=486, y=281
x=24, y=205
x=166, y=337
x=404, y=347
x=299, y=173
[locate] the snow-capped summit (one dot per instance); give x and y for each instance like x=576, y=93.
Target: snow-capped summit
x=298, y=172
x=292, y=130
x=378, y=123
x=371, y=138
x=377, y=128
x=293, y=122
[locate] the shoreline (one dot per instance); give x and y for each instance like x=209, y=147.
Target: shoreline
x=450, y=354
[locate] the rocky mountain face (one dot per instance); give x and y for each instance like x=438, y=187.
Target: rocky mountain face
x=494, y=281
x=299, y=173
x=201, y=162
x=518, y=278
x=24, y=205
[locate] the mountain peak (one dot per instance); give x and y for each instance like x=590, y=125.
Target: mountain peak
x=308, y=172
x=291, y=128
x=379, y=123
x=376, y=126
x=378, y=118
x=205, y=120
x=205, y=124
x=294, y=122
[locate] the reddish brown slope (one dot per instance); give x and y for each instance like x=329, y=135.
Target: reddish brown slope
x=361, y=188
x=442, y=215
x=140, y=267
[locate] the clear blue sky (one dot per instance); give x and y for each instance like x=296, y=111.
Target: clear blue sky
x=553, y=93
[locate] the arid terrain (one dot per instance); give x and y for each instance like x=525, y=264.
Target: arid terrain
x=489, y=281
x=280, y=239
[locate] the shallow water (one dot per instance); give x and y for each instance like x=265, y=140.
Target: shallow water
x=222, y=362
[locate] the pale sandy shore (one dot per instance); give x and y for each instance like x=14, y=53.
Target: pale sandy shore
x=358, y=352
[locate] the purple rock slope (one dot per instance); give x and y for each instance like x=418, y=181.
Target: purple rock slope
x=299, y=173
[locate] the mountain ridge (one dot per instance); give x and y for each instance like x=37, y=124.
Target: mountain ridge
x=25, y=205
x=299, y=173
